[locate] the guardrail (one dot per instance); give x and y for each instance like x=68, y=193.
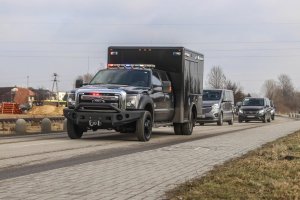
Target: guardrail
x=294, y=115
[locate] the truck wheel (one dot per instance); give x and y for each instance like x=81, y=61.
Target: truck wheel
x=201, y=123
x=74, y=131
x=220, y=122
x=231, y=121
x=187, y=128
x=273, y=117
x=144, y=127
x=177, y=129
x=269, y=119
x=264, y=119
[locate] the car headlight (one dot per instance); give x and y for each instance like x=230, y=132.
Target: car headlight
x=71, y=100
x=132, y=101
x=261, y=112
x=241, y=111
x=215, y=108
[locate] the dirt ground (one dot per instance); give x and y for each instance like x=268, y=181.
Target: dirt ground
x=33, y=127
x=38, y=111
x=48, y=110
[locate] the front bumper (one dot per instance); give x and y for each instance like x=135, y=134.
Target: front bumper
x=256, y=117
x=209, y=117
x=102, y=120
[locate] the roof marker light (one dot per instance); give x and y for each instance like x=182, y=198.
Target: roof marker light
x=113, y=53
x=176, y=53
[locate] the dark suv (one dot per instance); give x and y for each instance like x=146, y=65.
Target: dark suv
x=255, y=109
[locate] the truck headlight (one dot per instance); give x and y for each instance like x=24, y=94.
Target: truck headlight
x=71, y=99
x=132, y=101
x=215, y=108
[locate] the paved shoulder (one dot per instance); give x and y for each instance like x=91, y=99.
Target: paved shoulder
x=144, y=175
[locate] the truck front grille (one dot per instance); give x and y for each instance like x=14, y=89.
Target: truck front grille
x=99, y=99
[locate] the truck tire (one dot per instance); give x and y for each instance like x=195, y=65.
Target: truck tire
x=177, y=129
x=273, y=117
x=144, y=127
x=74, y=131
x=240, y=120
x=264, y=119
x=230, y=122
x=269, y=119
x=220, y=121
x=187, y=128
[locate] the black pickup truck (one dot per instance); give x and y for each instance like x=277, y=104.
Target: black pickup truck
x=142, y=87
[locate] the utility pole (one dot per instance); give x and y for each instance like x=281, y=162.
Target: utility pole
x=55, y=84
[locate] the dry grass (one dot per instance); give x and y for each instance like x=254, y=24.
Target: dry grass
x=271, y=172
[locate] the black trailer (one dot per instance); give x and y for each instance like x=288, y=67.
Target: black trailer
x=185, y=68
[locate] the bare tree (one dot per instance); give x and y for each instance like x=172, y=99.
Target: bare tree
x=216, y=78
x=237, y=90
x=270, y=88
x=286, y=85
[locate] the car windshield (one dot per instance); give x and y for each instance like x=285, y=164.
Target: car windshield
x=140, y=78
x=212, y=95
x=253, y=102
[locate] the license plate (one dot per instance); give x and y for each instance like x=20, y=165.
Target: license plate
x=250, y=116
x=93, y=122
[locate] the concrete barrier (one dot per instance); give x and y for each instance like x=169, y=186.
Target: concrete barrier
x=20, y=126
x=46, y=125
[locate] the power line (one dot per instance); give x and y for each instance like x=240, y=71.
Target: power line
x=155, y=43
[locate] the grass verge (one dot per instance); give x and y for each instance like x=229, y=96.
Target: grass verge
x=271, y=172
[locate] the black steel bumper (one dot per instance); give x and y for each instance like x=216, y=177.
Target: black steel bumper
x=102, y=120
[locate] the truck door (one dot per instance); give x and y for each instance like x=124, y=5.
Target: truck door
x=168, y=103
x=161, y=110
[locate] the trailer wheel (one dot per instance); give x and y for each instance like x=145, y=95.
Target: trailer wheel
x=144, y=127
x=177, y=129
x=187, y=128
x=74, y=131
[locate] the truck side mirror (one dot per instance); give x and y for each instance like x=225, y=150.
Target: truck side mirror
x=166, y=87
x=78, y=83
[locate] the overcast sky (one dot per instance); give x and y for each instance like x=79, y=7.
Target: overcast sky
x=250, y=40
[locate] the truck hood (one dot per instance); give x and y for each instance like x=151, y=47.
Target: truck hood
x=126, y=88
x=209, y=103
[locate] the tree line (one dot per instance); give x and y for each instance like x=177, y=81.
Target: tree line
x=281, y=91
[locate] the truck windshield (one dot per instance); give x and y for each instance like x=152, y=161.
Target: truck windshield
x=212, y=95
x=253, y=102
x=140, y=78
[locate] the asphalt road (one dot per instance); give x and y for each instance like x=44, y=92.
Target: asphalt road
x=24, y=156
